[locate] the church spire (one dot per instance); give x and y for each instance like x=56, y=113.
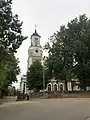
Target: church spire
x=35, y=33
x=35, y=30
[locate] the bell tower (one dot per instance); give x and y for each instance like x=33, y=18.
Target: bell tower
x=35, y=50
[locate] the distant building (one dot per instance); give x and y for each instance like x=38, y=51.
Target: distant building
x=53, y=85
x=34, y=53
x=23, y=85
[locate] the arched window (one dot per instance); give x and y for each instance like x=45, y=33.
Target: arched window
x=49, y=87
x=55, y=87
x=61, y=87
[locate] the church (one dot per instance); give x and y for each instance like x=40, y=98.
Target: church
x=35, y=52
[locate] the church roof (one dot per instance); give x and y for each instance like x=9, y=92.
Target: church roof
x=35, y=34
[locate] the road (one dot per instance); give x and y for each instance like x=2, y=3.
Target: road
x=54, y=109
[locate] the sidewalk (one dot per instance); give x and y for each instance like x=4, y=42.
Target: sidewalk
x=8, y=99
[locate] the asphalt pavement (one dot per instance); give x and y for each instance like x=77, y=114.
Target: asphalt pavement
x=54, y=109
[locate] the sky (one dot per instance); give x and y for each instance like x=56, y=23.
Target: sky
x=48, y=15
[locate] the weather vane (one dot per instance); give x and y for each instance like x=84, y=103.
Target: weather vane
x=35, y=26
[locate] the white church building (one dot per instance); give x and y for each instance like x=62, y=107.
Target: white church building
x=35, y=52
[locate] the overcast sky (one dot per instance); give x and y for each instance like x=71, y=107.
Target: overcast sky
x=48, y=15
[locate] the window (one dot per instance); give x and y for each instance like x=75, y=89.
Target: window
x=36, y=41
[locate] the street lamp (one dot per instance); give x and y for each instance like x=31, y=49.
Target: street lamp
x=43, y=78
x=43, y=83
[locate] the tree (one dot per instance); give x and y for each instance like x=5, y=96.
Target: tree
x=10, y=40
x=79, y=34
x=69, y=51
x=10, y=27
x=9, y=69
x=35, y=76
x=60, y=56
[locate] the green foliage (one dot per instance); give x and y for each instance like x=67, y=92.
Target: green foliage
x=10, y=27
x=35, y=76
x=79, y=31
x=9, y=68
x=60, y=56
x=10, y=40
x=69, y=51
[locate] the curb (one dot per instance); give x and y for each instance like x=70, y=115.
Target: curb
x=13, y=103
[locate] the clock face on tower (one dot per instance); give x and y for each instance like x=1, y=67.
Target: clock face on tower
x=36, y=51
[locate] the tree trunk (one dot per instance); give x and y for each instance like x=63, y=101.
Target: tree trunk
x=72, y=84
x=66, y=87
x=85, y=85
x=1, y=95
x=72, y=87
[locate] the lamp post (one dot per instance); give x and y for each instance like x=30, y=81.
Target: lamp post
x=43, y=78
x=43, y=83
